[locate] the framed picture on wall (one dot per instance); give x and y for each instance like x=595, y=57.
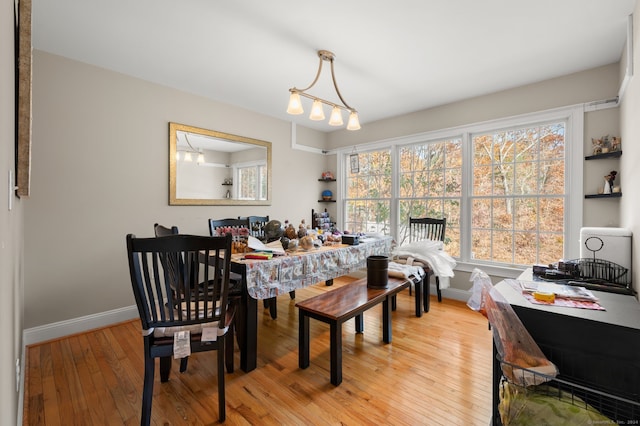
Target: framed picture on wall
x=355, y=165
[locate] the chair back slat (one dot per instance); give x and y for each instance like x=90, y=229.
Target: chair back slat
x=427, y=228
x=180, y=279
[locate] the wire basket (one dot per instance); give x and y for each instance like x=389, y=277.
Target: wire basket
x=590, y=405
x=596, y=270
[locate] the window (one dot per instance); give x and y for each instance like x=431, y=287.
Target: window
x=505, y=188
x=430, y=177
x=368, y=202
x=252, y=182
x=518, y=198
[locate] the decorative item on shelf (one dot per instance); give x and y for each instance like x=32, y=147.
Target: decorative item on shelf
x=327, y=176
x=327, y=195
x=606, y=144
x=608, y=182
x=317, y=113
x=227, y=181
x=616, y=143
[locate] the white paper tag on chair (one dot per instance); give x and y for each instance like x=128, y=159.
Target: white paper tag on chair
x=181, y=344
x=209, y=334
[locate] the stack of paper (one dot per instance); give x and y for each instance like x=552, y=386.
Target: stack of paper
x=560, y=290
x=274, y=247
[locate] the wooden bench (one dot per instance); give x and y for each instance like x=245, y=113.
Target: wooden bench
x=337, y=306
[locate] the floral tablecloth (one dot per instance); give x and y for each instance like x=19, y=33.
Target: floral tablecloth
x=282, y=274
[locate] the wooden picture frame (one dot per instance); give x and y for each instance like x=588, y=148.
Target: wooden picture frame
x=23, y=58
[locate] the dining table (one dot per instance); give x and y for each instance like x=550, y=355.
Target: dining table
x=267, y=278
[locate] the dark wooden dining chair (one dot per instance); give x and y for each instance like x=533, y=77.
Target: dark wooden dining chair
x=428, y=228
x=235, y=294
x=256, y=226
x=166, y=273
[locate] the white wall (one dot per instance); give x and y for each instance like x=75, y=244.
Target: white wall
x=11, y=226
x=629, y=170
x=100, y=171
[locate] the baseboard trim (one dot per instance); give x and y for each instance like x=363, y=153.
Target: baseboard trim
x=77, y=325
x=55, y=330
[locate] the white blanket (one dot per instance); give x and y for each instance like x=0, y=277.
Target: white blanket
x=431, y=253
x=400, y=270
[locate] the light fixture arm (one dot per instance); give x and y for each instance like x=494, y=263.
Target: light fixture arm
x=333, y=77
x=189, y=143
x=315, y=80
x=324, y=55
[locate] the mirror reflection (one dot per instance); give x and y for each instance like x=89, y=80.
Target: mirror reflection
x=207, y=167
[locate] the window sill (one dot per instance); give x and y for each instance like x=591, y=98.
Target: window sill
x=491, y=270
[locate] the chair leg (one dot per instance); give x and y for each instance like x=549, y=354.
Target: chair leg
x=165, y=368
x=147, y=390
x=222, y=414
x=228, y=355
x=438, y=289
x=183, y=364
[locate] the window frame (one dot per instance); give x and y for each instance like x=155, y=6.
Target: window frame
x=574, y=193
x=260, y=179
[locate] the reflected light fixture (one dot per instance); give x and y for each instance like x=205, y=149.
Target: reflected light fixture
x=317, y=112
x=187, y=153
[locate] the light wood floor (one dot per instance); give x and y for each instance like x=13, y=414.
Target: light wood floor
x=436, y=371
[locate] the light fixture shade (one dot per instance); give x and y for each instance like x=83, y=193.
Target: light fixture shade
x=295, y=104
x=336, y=117
x=354, y=123
x=187, y=157
x=200, y=158
x=317, y=113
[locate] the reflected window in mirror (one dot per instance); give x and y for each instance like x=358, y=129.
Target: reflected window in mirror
x=214, y=168
x=252, y=182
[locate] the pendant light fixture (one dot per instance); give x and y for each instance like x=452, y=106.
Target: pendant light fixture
x=317, y=111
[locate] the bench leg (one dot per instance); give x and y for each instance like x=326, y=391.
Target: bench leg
x=336, y=353
x=303, y=340
x=419, y=297
x=386, y=319
x=359, y=323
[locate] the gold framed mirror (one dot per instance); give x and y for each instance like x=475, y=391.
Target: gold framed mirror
x=208, y=168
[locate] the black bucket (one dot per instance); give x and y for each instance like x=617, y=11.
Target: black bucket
x=377, y=271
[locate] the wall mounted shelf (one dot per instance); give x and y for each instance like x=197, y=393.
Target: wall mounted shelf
x=614, y=195
x=613, y=154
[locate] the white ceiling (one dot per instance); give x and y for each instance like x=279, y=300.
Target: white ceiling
x=392, y=58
